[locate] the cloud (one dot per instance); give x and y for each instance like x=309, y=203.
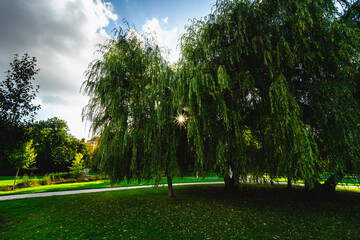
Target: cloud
x=62, y=35
x=163, y=37
x=165, y=20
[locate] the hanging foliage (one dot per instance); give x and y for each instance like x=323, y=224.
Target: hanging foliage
x=132, y=108
x=284, y=73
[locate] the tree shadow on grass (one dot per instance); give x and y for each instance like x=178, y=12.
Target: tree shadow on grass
x=5, y=220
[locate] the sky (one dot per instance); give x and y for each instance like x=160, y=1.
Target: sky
x=63, y=36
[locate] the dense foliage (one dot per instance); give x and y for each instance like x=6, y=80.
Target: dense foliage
x=55, y=147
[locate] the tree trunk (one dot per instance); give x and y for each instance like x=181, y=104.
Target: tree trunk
x=17, y=172
x=289, y=186
x=229, y=183
x=327, y=189
x=170, y=188
x=330, y=184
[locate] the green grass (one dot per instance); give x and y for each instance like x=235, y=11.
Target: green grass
x=198, y=212
x=99, y=184
x=9, y=180
x=104, y=184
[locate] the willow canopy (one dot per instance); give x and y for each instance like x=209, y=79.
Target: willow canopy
x=272, y=87
x=132, y=107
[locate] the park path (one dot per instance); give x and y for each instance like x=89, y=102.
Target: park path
x=70, y=192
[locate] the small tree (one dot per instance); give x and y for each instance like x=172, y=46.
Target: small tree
x=77, y=166
x=17, y=91
x=23, y=157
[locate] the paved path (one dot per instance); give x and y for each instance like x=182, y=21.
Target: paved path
x=70, y=192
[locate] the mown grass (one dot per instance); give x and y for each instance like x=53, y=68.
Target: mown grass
x=106, y=184
x=100, y=184
x=198, y=212
x=6, y=181
x=9, y=180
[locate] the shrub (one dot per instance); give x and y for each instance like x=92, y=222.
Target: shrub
x=46, y=180
x=100, y=177
x=27, y=182
x=6, y=188
x=59, y=176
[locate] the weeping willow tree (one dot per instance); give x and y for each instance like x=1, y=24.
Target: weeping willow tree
x=131, y=106
x=272, y=87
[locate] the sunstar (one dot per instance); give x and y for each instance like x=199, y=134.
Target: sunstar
x=180, y=119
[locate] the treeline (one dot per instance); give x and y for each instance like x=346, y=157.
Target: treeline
x=262, y=88
x=54, y=146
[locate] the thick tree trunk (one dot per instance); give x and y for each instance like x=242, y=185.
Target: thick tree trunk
x=17, y=172
x=229, y=183
x=170, y=188
x=328, y=188
x=330, y=184
x=289, y=185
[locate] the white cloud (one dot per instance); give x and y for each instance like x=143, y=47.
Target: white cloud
x=163, y=37
x=165, y=20
x=62, y=35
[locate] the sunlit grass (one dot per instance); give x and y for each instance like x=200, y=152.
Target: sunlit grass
x=106, y=184
x=101, y=184
x=9, y=180
x=6, y=181
x=198, y=212
x=346, y=189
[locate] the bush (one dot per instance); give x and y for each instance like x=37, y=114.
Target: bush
x=6, y=188
x=59, y=176
x=100, y=177
x=27, y=182
x=46, y=180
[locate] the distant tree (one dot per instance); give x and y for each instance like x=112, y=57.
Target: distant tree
x=23, y=157
x=16, y=107
x=17, y=91
x=86, y=150
x=55, y=146
x=78, y=165
x=95, y=159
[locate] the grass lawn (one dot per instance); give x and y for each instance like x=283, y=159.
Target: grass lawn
x=198, y=212
x=97, y=184
x=9, y=180
x=106, y=184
